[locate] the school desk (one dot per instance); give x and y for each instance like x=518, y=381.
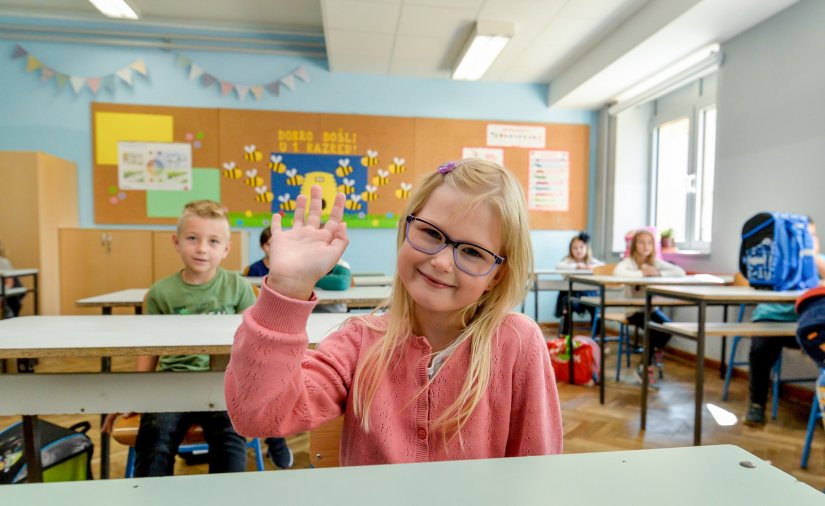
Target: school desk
x=604, y=282
x=9, y=292
x=372, y=280
x=694, y=476
x=132, y=297
x=551, y=280
x=702, y=297
x=97, y=336
x=355, y=296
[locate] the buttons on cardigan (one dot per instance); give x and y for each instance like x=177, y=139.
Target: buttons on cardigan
x=422, y=433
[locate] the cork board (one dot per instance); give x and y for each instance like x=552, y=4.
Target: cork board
x=262, y=160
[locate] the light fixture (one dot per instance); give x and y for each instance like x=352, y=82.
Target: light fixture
x=694, y=66
x=121, y=9
x=482, y=48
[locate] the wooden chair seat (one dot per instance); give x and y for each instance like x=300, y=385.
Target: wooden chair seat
x=617, y=317
x=125, y=432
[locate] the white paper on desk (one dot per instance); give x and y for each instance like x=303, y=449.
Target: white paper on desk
x=709, y=277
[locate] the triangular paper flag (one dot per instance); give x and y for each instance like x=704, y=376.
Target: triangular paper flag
x=226, y=87
x=258, y=91
x=274, y=88
x=207, y=79
x=241, y=90
x=18, y=52
x=32, y=64
x=94, y=84
x=289, y=82
x=77, y=83
x=61, y=79
x=46, y=73
x=125, y=74
x=195, y=72
x=139, y=66
x=182, y=61
x=109, y=83
x=301, y=73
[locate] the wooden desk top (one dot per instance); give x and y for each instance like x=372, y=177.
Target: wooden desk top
x=630, y=302
x=698, y=279
x=128, y=335
x=725, y=294
x=694, y=476
x=131, y=297
x=372, y=280
x=17, y=272
x=369, y=296
x=749, y=329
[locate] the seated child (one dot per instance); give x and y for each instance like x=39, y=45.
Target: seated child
x=579, y=257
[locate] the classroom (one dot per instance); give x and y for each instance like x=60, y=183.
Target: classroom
x=656, y=136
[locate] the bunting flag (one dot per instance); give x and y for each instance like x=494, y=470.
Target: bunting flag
x=195, y=72
x=94, y=83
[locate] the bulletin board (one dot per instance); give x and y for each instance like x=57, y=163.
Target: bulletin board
x=257, y=162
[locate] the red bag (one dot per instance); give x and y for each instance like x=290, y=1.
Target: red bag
x=585, y=359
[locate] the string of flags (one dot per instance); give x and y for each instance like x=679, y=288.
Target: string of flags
x=78, y=83
x=196, y=72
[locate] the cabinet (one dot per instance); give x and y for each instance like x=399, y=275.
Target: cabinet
x=98, y=261
x=38, y=196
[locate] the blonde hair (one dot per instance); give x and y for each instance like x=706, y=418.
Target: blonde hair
x=208, y=209
x=650, y=259
x=488, y=184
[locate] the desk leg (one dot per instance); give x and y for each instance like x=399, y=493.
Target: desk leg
x=105, y=366
x=31, y=449
x=645, y=360
x=603, y=335
x=36, y=296
x=723, y=368
x=700, y=375
x=536, y=296
x=569, y=337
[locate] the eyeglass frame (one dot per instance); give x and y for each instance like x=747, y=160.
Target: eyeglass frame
x=449, y=241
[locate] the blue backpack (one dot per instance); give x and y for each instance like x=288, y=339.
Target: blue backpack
x=777, y=252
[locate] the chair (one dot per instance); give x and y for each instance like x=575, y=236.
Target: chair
x=125, y=432
x=325, y=444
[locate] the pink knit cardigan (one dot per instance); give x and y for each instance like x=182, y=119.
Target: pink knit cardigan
x=275, y=386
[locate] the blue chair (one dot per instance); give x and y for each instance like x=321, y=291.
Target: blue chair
x=816, y=415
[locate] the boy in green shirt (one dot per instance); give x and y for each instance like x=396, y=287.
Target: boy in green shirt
x=201, y=287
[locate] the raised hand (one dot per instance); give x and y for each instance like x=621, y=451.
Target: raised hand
x=302, y=255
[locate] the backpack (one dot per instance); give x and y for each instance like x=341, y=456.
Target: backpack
x=776, y=252
x=66, y=453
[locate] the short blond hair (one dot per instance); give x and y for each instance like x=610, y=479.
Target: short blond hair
x=207, y=209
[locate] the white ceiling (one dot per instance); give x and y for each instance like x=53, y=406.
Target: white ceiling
x=588, y=50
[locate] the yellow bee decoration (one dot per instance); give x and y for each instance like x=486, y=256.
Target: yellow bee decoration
x=231, y=172
x=253, y=179
x=371, y=159
x=397, y=165
x=287, y=204
x=347, y=187
x=369, y=194
x=404, y=191
x=263, y=195
x=353, y=203
x=276, y=164
x=293, y=178
x=344, y=169
x=382, y=178
x=252, y=154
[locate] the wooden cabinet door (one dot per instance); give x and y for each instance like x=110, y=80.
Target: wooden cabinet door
x=98, y=261
x=167, y=261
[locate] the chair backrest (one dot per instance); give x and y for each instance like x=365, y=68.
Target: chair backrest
x=604, y=270
x=246, y=271
x=256, y=290
x=325, y=443
x=739, y=279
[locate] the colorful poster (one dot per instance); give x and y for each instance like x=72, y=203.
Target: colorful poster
x=495, y=155
x=549, y=181
x=154, y=166
x=516, y=136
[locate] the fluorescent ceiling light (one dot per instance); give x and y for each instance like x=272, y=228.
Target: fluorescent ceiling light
x=116, y=9
x=482, y=48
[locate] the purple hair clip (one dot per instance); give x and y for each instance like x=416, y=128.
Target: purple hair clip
x=446, y=167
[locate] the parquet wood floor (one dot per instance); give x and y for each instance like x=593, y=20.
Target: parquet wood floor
x=590, y=427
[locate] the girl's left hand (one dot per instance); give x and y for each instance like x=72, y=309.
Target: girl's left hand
x=649, y=271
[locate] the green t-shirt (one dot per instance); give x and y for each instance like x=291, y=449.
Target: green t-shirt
x=774, y=313
x=226, y=293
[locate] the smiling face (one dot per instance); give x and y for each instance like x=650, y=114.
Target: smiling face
x=202, y=244
x=434, y=282
x=578, y=250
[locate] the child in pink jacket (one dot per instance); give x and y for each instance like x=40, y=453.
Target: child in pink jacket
x=446, y=373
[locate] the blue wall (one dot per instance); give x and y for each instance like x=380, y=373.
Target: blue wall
x=36, y=116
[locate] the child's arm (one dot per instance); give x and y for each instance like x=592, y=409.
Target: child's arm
x=627, y=268
x=669, y=270
x=565, y=264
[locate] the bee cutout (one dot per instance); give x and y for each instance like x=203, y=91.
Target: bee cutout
x=276, y=164
x=371, y=159
x=404, y=191
x=231, y=172
x=382, y=178
x=344, y=169
x=263, y=195
x=353, y=203
x=348, y=186
x=253, y=179
x=252, y=154
x=293, y=178
x=369, y=195
x=397, y=166
x=287, y=204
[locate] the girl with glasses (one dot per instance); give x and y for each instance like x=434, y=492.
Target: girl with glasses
x=447, y=372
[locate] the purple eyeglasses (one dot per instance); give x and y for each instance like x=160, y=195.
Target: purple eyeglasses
x=471, y=258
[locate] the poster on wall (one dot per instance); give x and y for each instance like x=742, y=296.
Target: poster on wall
x=494, y=155
x=154, y=165
x=516, y=136
x=549, y=181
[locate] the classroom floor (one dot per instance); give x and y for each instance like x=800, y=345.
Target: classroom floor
x=591, y=427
